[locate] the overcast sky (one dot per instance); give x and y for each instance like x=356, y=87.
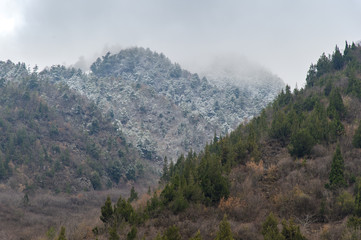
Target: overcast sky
x=284, y=36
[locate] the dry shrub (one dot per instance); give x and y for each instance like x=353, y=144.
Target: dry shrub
x=319, y=151
x=256, y=168
x=232, y=204
x=141, y=203
x=333, y=232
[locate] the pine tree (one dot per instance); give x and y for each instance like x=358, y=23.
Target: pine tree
x=336, y=107
x=133, y=195
x=172, y=233
x=132, y=234
x=356, y=140
x=165, y=175
x=301, y=143
x=107, y=211
x=291, y=231
x=62, y=234
x=270, y=230
x=224, y=232
x=113, y=235
x=337, y=59
x=123, y=210
x=337, y=170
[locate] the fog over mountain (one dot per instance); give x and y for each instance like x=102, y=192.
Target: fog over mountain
x=281, y=35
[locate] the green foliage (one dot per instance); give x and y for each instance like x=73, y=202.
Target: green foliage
x=165, y=173
x=50, y=234
x=336, y=176
x=311, y=76
x=354, y=222
x=172, y=233
x=130, y=173
x=213, y=184
x=291, y=231
x=224, y=232
x=132, y=234
x=337, y=59
x=95, y=181
x=133, y=195
x=107, y=212
x=284, y=97
x=336, y=107
x=354, y=84
x=123, y=211
x=113, y=235
x=301, y=143
x=93, y=150
x=317, y=124
x=323, y=65
x=356, y=140
x=336, y=129
x=346, y=203
x=115, y=171
x=270, y=230
x=179, y=204
x=280, y=128
x=62, y=234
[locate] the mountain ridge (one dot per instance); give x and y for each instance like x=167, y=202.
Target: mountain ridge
x=146, y=77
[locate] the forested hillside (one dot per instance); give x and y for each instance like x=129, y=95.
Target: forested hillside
x=161, y=108
x=53, y=138
x=293, y=172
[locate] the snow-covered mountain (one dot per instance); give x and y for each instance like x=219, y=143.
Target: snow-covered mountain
x=163, y=109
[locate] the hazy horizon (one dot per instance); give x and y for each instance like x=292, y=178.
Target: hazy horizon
x=282, y=36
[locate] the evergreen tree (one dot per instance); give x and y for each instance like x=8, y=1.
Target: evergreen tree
x=172, y=233
x=336, y=129
x=280, y=127
x=123, y=210
x=224, y=232
x=133, y=195
x=107, y=211
x=270, y=230
x=62, y=234
x=301, y=143
x=213, y=184
x=291, y=231
x=132, y=234
x=113, y=235
x=336, y=176
x=317, y=123
x=356, y=140
x=337, y=59
x=336, y=107
x=311, y=76
x=323, y=65
x=165, y=175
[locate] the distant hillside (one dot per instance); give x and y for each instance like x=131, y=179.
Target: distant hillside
x=163, y=109
x=53, y=138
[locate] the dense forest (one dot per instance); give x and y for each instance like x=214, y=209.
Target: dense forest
x=293, y=172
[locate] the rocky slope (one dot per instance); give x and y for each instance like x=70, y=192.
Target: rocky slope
x=163, y=109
